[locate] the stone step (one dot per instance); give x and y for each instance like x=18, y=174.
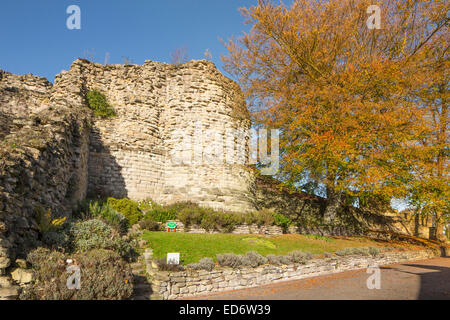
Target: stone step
x=10, y=293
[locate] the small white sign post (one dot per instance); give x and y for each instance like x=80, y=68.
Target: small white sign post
x=173, y=258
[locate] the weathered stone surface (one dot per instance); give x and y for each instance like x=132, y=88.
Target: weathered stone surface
x=21, y=263
x=10, y=293
x=139, y=153
x=5, y=262
x=22, y=276
x=5, y=282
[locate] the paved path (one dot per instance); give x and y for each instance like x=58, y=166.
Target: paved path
x=426, y=279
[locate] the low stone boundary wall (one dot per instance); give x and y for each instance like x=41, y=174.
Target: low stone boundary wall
x=177, y=285
x=272, y=230
x=239, y=229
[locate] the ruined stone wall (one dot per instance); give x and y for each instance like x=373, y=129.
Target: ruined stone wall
x=43, y=161
x=138, y=153
x=306, y=212
x=24, y=94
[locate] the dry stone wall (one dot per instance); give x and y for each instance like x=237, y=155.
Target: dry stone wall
x=139, y=153
x=190, y=283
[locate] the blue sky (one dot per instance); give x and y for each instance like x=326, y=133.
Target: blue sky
x=35, y=39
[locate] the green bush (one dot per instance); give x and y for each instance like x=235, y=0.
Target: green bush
x=161, y=214
x=88, y=209
x=96, y=234
x=263, y=217
x=58, y=239
x=104, y=276
x=149, y=225
x=128, y=208
x=98, y=104
x=191, y=216
x=282, y=221
x=113, y=218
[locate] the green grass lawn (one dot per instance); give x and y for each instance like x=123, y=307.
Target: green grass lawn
x=193, y=247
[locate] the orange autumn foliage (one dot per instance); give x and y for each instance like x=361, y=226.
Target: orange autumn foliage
x=343, y=96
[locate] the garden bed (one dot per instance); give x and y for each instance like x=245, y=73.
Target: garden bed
x=193, y=247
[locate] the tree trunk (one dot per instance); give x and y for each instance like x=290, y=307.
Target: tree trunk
x=333, y=205
x=440, y=236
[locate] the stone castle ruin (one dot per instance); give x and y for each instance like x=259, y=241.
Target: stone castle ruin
x=53, y=152
x=132, y=155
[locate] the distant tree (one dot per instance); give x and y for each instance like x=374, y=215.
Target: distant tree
x=127, y=60
x=430, y=191
x=208, y=55
x=89, y=55
x=106, y=58
x=179, y=56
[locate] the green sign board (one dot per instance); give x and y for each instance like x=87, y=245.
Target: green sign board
x=171, y=225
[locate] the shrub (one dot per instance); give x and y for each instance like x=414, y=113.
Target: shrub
x=104, y=276
x=113, y=218
x=345, y=252
x=164, y=266
x=229, y=220
x=149, y=225
x=365, y=251
x=191, y=216
x=278, y=260
x=128, y=208
x=254, y=259
x=178, y=206
x=95, y=234
x=229, y=260
x=146, y=205
x=282, y=221
x=263, y=217
x=46, y=223
x=98, y=104
x=300, y=256
x=57, y=239
x=208, y=218
x=374, y=251
x=88, y=209
x=361, y=251
x=204, y=264
x=161, y=214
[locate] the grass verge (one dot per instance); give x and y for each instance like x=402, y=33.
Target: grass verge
x=193, y=247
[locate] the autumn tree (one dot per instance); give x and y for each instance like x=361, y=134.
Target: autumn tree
x=341, y=94
x=430, y=190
